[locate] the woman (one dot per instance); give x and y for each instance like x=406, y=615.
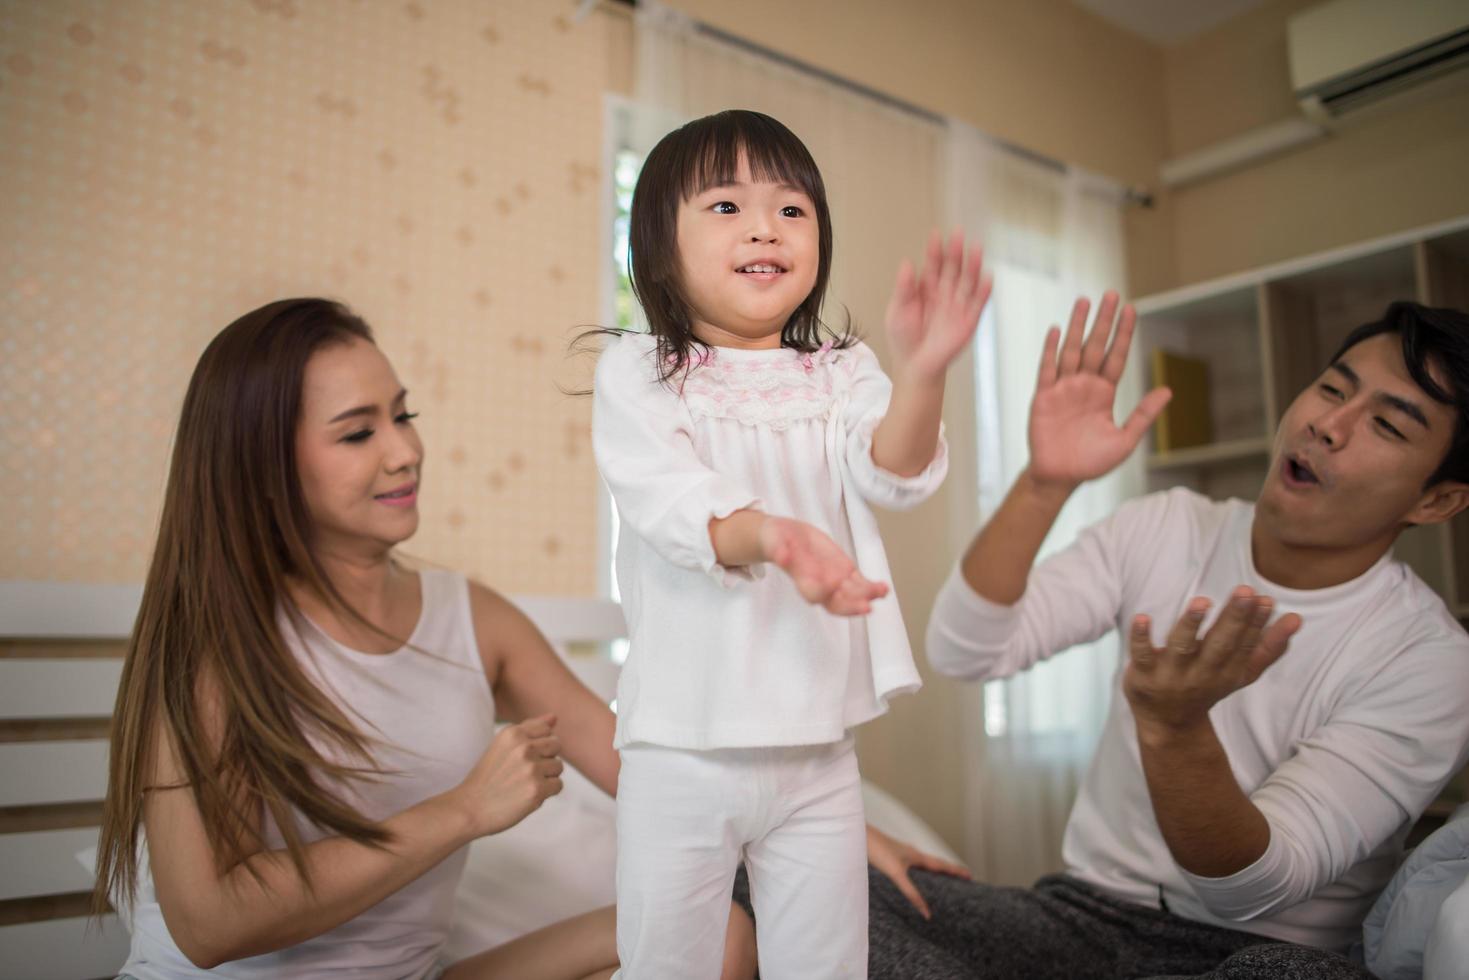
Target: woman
x=304, y=728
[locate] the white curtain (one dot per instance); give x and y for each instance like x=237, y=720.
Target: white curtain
x=1050, y=235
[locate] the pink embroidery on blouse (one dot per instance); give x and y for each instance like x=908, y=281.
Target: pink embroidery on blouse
x=774, y=391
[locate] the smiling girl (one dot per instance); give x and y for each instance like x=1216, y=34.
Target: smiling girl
x=743, y=433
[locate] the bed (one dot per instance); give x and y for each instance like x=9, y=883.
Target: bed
x=59, y=664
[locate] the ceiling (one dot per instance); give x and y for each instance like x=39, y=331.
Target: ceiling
x=1167, y=22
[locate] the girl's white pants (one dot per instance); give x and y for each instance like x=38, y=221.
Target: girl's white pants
x=685, y=817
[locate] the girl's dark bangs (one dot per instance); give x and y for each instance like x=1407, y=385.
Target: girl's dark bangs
x=773, y=155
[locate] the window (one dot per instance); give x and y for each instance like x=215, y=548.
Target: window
x=626, y=163
x=623, y=153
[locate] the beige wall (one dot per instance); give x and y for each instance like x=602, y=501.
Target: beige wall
x=1386, y=171
x=1043, y=74
x=1229, y=79
x=166, y=168
x=1398, y=171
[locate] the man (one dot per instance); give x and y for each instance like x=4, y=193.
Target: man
x=1256, y=777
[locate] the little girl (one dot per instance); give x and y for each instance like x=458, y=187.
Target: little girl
x=732, y=437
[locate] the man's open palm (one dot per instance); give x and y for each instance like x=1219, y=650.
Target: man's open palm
x=1073, y=435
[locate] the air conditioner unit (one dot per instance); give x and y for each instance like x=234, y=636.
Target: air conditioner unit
x=1347, y=54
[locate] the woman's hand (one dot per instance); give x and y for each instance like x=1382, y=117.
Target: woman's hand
x=518, y=772
x=823, y=573
x=894, y=859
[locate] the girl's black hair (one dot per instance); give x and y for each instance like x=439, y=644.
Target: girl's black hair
x=706, y=153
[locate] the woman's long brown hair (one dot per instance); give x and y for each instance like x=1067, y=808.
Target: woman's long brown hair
x=207, y=666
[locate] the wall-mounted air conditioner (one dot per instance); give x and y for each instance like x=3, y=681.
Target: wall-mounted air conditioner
x=1347, y=54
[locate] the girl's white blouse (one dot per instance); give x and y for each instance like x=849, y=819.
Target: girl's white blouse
x=734, y=657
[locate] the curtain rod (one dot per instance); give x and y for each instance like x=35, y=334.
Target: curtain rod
x=1129, y=195
x=806, y=68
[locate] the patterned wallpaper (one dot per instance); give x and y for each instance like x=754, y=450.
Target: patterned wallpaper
x=166, y=165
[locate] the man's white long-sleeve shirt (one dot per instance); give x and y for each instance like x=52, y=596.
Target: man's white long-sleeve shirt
x=734, y=657
x=1341, y=744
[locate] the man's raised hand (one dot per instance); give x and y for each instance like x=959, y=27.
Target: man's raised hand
x=1073, y=434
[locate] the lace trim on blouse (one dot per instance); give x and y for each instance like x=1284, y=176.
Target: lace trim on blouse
x=773, y=392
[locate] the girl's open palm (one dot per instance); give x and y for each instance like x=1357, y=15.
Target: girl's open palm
x=933, y=315
x=822, y=572
x=1073, y=435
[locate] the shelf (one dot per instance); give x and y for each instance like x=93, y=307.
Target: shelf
x=1207, y=292
x=1219, y=452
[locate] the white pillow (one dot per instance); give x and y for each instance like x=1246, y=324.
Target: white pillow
x=1403, y=919
x=891, y=817
x=1448, y=945
x=558, y=862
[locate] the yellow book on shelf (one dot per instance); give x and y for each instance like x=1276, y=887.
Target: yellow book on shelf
x=1185, y=421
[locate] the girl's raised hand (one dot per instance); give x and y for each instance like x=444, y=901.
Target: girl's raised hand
x=518, y=772
x=1073, y=436
x=824, y=574
x=933, y=314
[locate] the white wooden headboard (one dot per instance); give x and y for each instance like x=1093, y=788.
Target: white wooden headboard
x=60, y=660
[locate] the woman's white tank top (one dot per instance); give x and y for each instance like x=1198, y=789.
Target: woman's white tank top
x=429, y=717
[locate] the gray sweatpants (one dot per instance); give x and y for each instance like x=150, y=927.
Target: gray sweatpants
x=1062, y=929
